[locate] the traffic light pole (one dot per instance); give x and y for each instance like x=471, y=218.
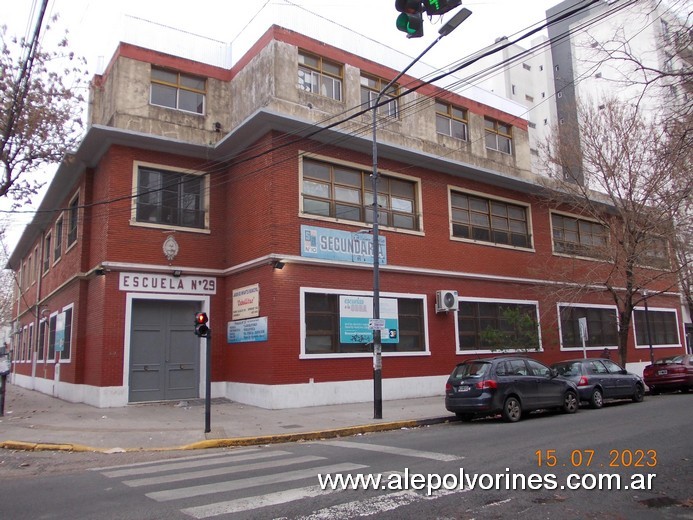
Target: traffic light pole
x=208, y=383
x=377, y=345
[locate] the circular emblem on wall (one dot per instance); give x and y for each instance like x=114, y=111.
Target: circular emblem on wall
x=171, y=247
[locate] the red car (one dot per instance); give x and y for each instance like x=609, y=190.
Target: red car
x=669, y=374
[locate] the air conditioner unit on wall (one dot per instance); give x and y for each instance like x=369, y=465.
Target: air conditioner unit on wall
x=446, y=301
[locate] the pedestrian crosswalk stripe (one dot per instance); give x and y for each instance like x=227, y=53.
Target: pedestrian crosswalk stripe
x=264, y=480
x=444, y=457
x=171, y=465
x=213, y=472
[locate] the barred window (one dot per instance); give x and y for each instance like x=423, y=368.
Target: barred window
x=489, y=220
x=170, y=198
x=345, y=193
x=175, y=90
x=662, y=324
x=602, y=326
x=319, y=76
x=476, y=317
x=451, y=120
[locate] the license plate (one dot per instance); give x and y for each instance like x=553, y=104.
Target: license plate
x=662, y=373
x=463, y=388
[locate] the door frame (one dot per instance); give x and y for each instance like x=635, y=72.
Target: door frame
x=129, y=300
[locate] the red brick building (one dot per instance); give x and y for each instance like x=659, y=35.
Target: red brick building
x=245, y=193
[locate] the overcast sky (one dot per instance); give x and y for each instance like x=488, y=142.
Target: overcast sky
x=94, y=27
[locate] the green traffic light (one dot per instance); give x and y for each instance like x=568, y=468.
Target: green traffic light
x=410, y=24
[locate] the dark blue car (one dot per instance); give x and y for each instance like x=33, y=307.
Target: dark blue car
x=510, y=385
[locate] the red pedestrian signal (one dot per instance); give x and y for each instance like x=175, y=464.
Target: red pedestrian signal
x=201, y=328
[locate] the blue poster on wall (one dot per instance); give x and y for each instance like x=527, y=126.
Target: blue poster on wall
x=356, y=322
x=333, y=244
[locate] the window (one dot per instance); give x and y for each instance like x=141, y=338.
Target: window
x=58, y=240
x=526, y=67
x=52, y=323
x=663, y=327
x=47, y=252
x=170, y=198
x=498, y=136
x=322, y=321
x=575, y=236
x=602, y=326
x=41, y=345
x=488, y=220
x=476, y=317
x=319, y=76
x=451, y=121
x=345, y=194
x=655, y=252
x=175, y=90
x=72, y=220
x=371, y=88
x=67, y=338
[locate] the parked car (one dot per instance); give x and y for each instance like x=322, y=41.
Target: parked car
x=509, y=385
x=670, y=374
x=601, y=379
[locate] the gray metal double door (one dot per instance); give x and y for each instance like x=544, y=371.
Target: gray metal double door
x=164, y=351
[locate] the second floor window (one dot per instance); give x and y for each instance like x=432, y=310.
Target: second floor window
x=345, y=193
x=58, y=241
x=451, y=121
x=488, y=220
x=498, y=136
x=575, y=236
x=72, y=220
x=319, y=76
x=174, y=90
x=170, y=198
x=47, y=253
x=371, y=88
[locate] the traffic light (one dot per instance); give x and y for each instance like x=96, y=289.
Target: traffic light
x=411, y=20
x=436, y=7
x=201, y=328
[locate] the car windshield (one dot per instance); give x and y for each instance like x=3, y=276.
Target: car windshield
x=473, y=369
x=568, y=369
x=670, y=360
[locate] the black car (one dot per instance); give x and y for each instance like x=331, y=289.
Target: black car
x=600, y=379
x=510, y=385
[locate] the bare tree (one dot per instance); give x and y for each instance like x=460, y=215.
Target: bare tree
x=40, y=111
x=634, y=186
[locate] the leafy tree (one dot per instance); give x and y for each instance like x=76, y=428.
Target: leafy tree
x=518, y=331
x=40, y=111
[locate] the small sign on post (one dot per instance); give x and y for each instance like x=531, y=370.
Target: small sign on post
x=584, y=335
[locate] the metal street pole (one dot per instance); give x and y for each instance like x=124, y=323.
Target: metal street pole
x=446, y=29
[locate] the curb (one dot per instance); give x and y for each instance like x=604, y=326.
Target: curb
x=237, y=441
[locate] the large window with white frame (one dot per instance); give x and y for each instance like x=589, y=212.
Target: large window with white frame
x=55, y=321
x=476, y=317
x=322, y=321
x=602, y=326
x=578, y=236
x=663, y=327
x=345, y=193
x=58, y=239
x=72, y=220
x=480, y=218
x=170, y=198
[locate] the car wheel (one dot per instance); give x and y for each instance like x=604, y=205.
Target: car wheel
x=512, y=409
x=570, y=402
x=639, y=394
x=464, y=417
x=597, y=399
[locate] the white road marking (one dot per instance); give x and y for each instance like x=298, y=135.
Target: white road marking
x=444, y=457
x=220, y=487
x=213, y=472
x=170, y=465
x=177, y=459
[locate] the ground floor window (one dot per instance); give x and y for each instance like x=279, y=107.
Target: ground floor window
x=602, y=326
x=663, y=327
x=497, y=325
x=323, y=319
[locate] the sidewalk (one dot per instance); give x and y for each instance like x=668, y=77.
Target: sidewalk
x=35, y=421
